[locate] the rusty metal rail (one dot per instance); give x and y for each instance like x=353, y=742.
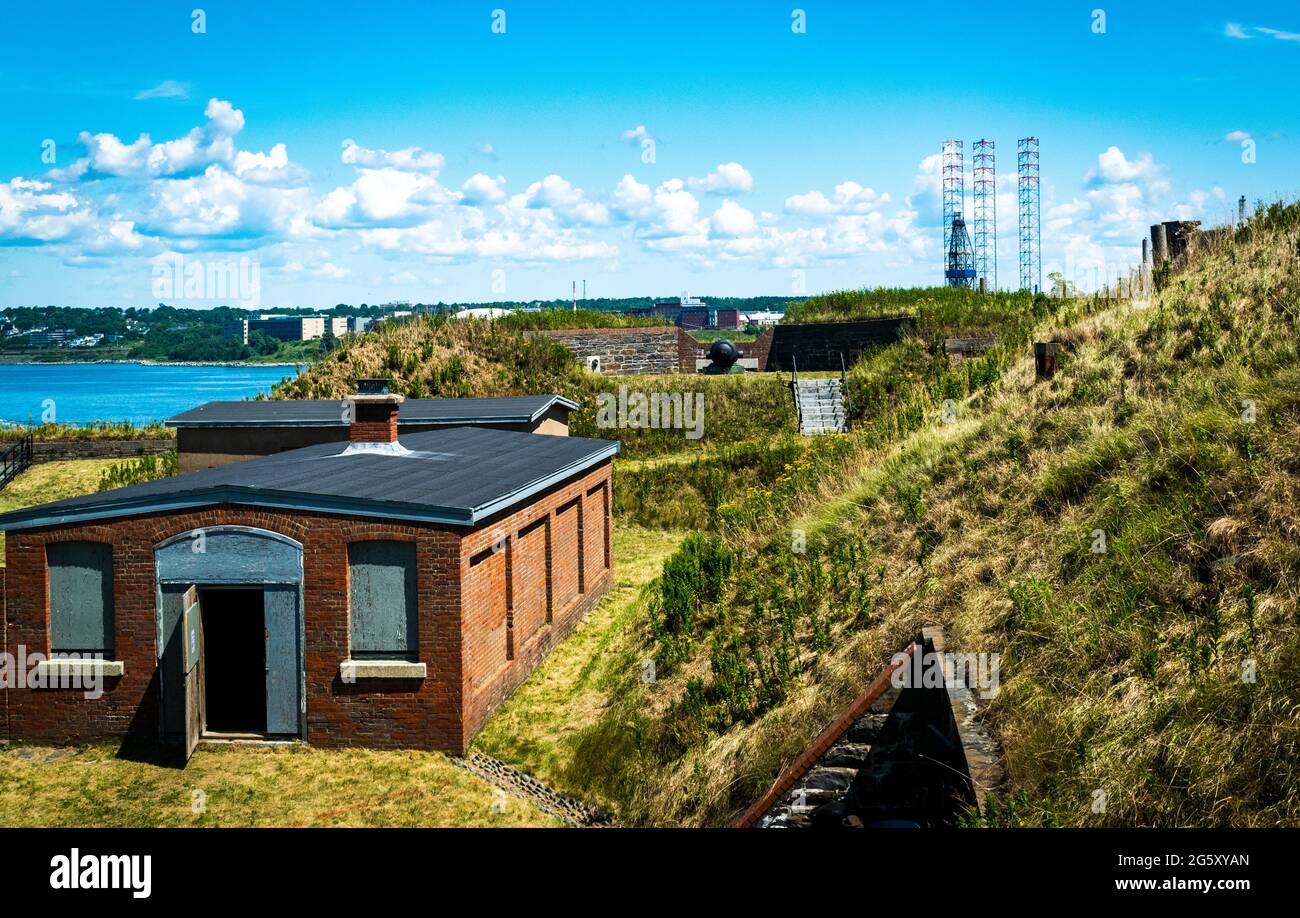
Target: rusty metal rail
x=800, y=766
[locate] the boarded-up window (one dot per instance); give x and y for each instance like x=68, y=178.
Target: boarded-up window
x=81, y=597
x=381, y=600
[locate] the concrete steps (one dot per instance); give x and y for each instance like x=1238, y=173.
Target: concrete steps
x=820, y=403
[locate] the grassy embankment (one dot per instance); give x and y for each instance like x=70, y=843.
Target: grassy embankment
x=1163, y=671
x=51, y=481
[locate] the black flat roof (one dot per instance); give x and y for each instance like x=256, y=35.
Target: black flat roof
x=328, y=412
x=459, y=476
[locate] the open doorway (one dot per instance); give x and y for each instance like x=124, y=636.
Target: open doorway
x=234, y=661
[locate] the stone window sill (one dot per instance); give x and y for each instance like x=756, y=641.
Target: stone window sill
x=352, y=670
x=80, y=668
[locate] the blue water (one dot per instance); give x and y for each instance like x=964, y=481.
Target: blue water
x=132, y=392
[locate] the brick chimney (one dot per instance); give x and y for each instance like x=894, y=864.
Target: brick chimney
x=374, y=418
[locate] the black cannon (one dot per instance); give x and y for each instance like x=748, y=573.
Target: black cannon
x=723, y=355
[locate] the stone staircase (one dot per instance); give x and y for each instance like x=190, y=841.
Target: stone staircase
x=820, y=403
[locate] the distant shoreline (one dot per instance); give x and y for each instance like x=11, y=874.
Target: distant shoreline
x=27, y=361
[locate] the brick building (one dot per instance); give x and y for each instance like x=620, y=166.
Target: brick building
x=378, y=592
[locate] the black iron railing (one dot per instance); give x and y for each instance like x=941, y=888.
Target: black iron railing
x=14, y=458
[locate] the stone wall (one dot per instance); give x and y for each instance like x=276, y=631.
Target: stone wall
x=624, y=351
x=60, y=450
x=819, y=346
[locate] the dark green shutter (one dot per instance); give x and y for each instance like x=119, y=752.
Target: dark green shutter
x=381, y=600
x=81, y=597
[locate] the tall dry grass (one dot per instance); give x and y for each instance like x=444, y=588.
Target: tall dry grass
x=1163, y=672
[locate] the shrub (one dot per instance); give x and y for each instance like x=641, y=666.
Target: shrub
x=136, y=471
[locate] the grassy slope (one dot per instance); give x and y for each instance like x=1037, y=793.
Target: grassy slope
x=534, y=728
x=1121, y=671
x=297, y=786
x=51, y=481
x=434, y=357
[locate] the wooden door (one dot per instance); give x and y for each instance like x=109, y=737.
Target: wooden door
x=192, y=635
x=283, y=661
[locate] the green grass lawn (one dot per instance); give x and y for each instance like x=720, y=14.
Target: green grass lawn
x=51, y=481
x=251, y=786
x=534, y=729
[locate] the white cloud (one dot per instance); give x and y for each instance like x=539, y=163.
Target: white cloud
x=728, y=178
x=570, y=204
x=107, y=155
x=331, y=271
x=676, y=212
x=383, y=197
x=1238, y=31
x=31, y=212
x=634, y=136
x=220, y=204
x=1236, y=136
x=631, y=199
x=272, y=168
x=848, y=198
x=225, y=118
x=484, y=189
x=731, y=220
x=409, y=159
x=1113, y=166
x=1279, y=34
x=167, y=89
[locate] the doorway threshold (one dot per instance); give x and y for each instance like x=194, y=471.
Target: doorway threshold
x=217, y=738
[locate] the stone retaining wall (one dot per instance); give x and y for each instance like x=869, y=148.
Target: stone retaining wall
x=60, y=450
x=624, y=351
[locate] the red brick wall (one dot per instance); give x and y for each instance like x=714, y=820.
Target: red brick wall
x=485, y=616
x=564, y=555
x=530, y=582
x=593, y=520
x=424, y=714
x=529, y=569
x=688, y=350
x=468, y=673
x=759, y=348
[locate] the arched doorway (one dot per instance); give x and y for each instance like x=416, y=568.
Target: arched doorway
x=229, y=605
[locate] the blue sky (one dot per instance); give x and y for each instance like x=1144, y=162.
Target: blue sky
x=406, y=151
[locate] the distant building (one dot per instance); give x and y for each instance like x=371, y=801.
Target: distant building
x=726, y=318
x=762, y=318
x=338, y=326
x=670, y=311
x=235, y=328
x=483, y=312
x=289, y=328
x=690, y=313
x=359, y=324
x=51, y=338
x=692, y=317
